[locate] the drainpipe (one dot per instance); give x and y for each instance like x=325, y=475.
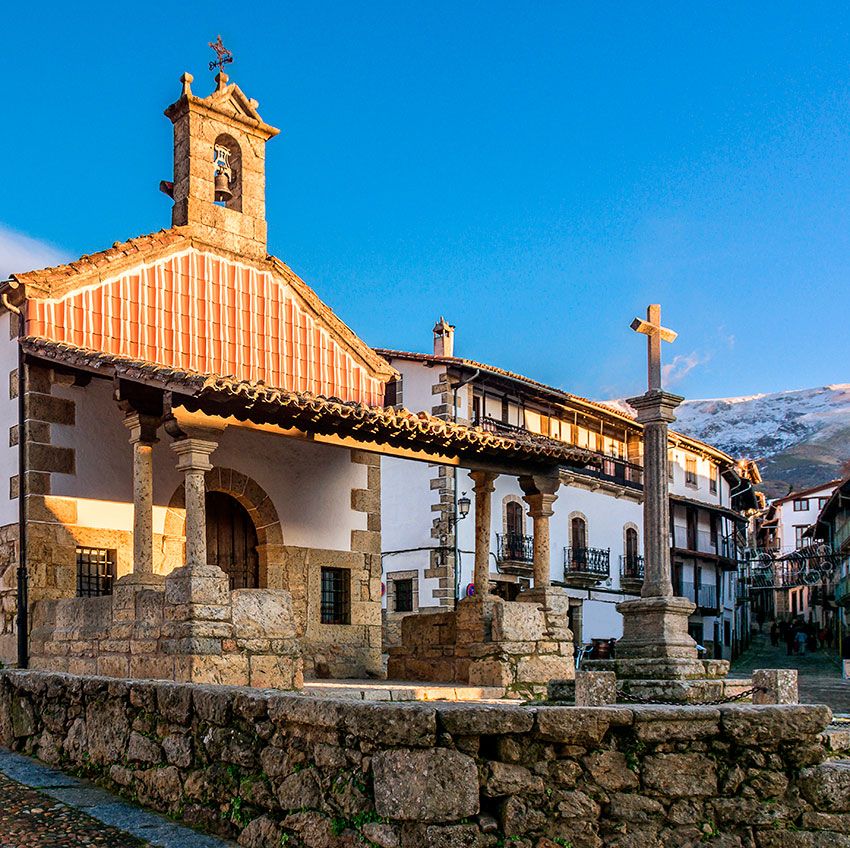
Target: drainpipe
x=23, y=576
x=455, y=388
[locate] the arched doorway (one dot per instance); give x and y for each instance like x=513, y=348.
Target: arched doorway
x=232, y=540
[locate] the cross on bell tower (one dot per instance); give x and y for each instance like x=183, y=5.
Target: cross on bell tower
x=219, y=187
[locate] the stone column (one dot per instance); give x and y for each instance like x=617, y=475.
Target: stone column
x=142, y=437
x=655, y=626
x=193, y=459
x=539, y=494
x=655, y=412
x=483, y=488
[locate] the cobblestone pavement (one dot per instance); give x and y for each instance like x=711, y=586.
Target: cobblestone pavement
x=819, y=674
x=29, y=818
x=41, y=807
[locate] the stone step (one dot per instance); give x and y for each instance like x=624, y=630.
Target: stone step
x=388, y=690
x=837, y=738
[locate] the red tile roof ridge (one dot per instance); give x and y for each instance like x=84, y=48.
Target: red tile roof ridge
x=623, y=415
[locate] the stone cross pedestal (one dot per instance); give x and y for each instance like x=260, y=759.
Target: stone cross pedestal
x=656, y=657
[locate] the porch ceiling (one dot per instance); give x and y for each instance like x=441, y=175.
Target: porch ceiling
x=372, y=425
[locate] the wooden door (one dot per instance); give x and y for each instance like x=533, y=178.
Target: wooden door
x=232, y=540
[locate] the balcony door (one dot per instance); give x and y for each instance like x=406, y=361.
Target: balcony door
x=692, y=530
x=631, y=547
x=578, y=541
x=232, y=540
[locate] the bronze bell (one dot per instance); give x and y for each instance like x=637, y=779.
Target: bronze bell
x=222, y=188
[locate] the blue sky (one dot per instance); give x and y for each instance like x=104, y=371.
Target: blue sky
x=537, y=172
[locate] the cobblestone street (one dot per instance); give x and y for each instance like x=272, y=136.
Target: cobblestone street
x=819, y=674
x=41, y=807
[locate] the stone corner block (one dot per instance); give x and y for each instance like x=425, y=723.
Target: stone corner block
x=595, y=688
x=775, y=686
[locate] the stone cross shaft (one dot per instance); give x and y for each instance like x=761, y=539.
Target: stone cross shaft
x=655, y=412
x=655, y=334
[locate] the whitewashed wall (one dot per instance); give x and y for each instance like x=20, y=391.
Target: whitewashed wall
x=309, y=484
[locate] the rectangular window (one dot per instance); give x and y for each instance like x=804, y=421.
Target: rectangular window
x=671, y=462
x=476, y=409
x=691, y=472
x=799, y=541
x=801, y=505
x=822, y=502
x=95, y=572
x=403, y=595
x=713, y=479
x=394, y=392
x=506, y=411
x=336, y=596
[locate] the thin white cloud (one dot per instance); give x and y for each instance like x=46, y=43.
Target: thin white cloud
x=19, y=253
x=682, y=365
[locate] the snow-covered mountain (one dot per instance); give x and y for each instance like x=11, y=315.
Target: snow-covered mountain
x=801, y=438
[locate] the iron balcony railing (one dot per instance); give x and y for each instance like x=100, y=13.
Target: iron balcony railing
x=514, y=547
x=604, y=467
x=619, y=470
x=631, y=567
x=493, y=425
x=595, y=561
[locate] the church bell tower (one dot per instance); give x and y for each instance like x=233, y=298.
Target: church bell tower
x=219, y=187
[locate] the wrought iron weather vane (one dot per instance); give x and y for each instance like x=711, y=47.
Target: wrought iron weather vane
x=223, y=55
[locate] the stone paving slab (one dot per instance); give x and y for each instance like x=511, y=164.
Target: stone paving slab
x=40, y=805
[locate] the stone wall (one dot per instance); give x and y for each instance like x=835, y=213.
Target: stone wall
x=248, y=639
x=284, y=769
x=517, y=646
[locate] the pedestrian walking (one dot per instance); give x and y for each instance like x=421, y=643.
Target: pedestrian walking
x=790, y=644
x=774, y=634
x=802, y=638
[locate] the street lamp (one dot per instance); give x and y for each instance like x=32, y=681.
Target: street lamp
x=463, y=504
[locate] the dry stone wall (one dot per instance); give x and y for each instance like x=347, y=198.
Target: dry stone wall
x=281, y=769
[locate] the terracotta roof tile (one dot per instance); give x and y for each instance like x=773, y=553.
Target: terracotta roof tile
x=46, y=279
x=247, y=400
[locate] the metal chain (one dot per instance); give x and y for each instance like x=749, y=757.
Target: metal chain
x=637, y=699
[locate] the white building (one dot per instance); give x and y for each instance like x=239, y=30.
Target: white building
x=596, y=530
x=783, y=543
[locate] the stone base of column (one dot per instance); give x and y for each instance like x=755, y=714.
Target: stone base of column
x=144, y=580
x=555, y=603
x=656, y=628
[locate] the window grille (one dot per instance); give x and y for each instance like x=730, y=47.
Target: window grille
x=403, y=595
x=336, y=596
x=95, y=572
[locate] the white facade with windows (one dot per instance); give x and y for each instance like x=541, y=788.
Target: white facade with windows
x=597, y=526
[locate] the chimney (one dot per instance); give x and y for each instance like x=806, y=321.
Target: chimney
x=444, y=338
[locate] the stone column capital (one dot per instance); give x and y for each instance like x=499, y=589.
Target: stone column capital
x=540, y=484
x=193, y=454
x=142, y=427
x=655, y=406
x=484, y=481
x=540, y=504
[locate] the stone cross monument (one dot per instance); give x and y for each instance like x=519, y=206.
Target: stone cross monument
x=655, y=626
